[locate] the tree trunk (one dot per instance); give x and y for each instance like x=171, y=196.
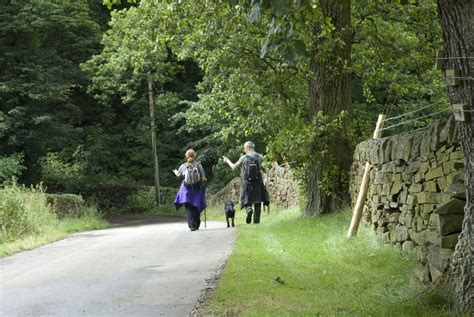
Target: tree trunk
x=457, y=23
x=153, y=137
x=330, y=93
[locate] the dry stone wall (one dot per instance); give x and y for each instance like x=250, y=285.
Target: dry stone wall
x=281, y=185
x=416, y=193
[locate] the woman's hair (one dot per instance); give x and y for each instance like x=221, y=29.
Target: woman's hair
x=190, y=155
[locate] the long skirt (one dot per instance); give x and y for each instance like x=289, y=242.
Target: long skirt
x=193, y=198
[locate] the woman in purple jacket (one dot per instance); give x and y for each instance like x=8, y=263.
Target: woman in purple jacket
x=191, y=193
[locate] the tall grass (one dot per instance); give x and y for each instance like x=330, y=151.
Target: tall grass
x=24, y=211
x=27, y=220
x=294, y=266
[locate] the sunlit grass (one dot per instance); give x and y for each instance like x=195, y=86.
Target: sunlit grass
x=294, y=266
x=56, y=231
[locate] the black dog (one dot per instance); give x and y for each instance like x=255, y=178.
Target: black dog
x=229, y=212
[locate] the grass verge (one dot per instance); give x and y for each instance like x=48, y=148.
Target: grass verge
x=56, y=231
x=294, y=266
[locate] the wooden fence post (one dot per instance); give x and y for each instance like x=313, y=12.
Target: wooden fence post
x=364, y=185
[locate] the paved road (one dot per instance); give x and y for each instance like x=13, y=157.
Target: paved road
x=140, y=267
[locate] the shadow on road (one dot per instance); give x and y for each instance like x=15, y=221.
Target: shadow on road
x=134, y=220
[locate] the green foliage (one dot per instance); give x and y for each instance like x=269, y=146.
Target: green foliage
x=308, y=267
x=41, y=95
x=393, y=62
x=142, y=200
x=23, y=211
x=54, y=170
x=118, y=146
x=11, y=166
x=250, y=58
x=90, y=219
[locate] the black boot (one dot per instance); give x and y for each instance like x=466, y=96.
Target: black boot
x=249, y=215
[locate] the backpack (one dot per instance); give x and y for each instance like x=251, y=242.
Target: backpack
x=191, y=175
x=252, y=169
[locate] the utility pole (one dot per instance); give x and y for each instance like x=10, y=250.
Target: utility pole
x=153, y=137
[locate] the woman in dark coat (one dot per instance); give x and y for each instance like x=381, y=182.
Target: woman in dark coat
x=191, y=196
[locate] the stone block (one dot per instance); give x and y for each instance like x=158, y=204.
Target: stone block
x=429, y=198
x=396, y=185
x=394, y=217
x=421, y=253
x=449, y=241
x=430, y=186
x=387, y=150
x=418, y=237
x=453, y=178
x=401, y=233
x=402, y=148
x=393, y=237
x=376, y=199
x=393, y=205
x=436, y=127
x=422, y=274
x=402, y=198
x=406, y=177
x=448, y=167
x=442, y=183
x=447, y=132
x=424, y=167
x=432, y=237
x=456, y=155
x=415, y=188
x=409, y=220
x=418, y=178
x=458, y=166
x=408, y=246
x=379, y=177
x=427, y=209
x=425, y=146
x=383, y=221
x=434, y=221
x=454, y=206
x=386, y=189
x=413, y=167
x=434, y=173
x=386, y=237
x=412, y=200
x=380, y=231
x=434, y=272
x=439, y=257
x=450, y=223
x=440, y=153
x=391, y=227
x=418, y=225
x=415, y=147
x=457, y=190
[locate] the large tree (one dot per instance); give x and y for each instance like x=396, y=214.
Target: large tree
x=457, y=23
x=329, y=92
x=41, y=86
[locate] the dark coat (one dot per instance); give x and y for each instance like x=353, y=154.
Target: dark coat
x=253, y=192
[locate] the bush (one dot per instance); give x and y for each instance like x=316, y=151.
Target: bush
x=141, y=200
x=68, y=205
x=11, y=166
x=23, y=211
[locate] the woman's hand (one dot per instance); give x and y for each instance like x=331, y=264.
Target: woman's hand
x=175, y=171
x=225, y=159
